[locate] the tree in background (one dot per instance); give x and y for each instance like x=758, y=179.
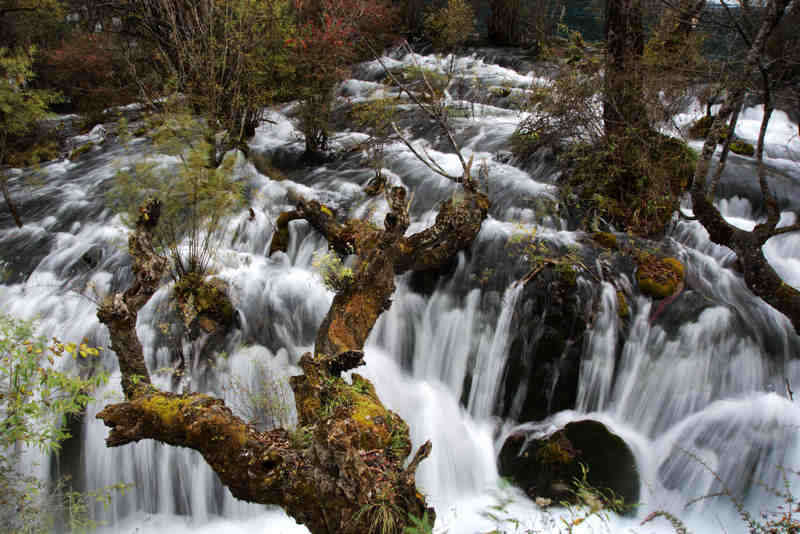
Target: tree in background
x=331, y=36
x=20, y=108
x=26, y=23
x=450, y=25
x=524, y=23
x=83, y=70
x=229, y=57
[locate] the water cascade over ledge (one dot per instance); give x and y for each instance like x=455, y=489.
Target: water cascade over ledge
x=696, y=389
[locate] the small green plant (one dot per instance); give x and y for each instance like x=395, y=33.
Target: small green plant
x=419, y=525
x=591, y=502
x=199, y=194
x=336, y=276
x=376, y=116
x=381, y=516
x=260, y=397
x=301, y=437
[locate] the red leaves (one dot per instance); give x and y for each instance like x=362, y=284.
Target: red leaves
x=83, y=70
x=332, y=35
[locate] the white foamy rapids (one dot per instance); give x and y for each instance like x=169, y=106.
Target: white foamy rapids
x=436, y=357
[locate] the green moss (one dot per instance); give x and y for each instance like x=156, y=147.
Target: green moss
x=742, y=148
x=633, y=182
x=658, y=278
x=556, y=450
x=201, y=298
x=566, y=271
x=605, y=239
x=81, y=150
x=622, y=305
x=167, y=408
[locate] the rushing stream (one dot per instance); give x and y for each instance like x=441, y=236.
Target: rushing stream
x=707, y=397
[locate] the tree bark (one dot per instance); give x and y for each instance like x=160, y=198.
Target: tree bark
x=759, y=276
x=623, y=105
x=10, y=203
x=341, y=470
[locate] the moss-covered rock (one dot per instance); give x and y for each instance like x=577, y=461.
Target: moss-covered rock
x=742, y=148
x=204, y=304
x=547, y=337
x=623, y=310
x=81, y=150
x=632, y=184
x=658, y=278
x=548, y=465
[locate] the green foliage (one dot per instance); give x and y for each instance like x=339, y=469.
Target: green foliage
x=77, y=506
x=591, y=502
x=20, y=106
x=419, y=525
x=336, y=276
x=450, y=25
x=563, y=110
x=35, y=397
x=376, y=117
x=699, y=128
x=81, y=150
x=381, y=516
x=633, y=182
x=196, y=196
x=301, y=437
x=35, y=400
x=25, y=23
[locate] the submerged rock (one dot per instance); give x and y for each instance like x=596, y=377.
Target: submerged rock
x=550, y=465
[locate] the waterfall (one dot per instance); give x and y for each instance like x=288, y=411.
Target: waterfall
x=705, y=396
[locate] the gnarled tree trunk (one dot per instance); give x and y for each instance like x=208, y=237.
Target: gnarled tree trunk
x=342, y=469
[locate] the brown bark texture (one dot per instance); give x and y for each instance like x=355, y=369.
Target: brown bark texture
x=623, y=97
x=342, y=469
x=759, y=275
x=10, y=203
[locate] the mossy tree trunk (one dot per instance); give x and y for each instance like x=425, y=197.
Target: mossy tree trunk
x=342, y=469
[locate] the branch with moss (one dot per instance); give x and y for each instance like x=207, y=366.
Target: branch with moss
x=347, y=453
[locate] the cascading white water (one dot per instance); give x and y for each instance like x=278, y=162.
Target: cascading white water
x=703, y=388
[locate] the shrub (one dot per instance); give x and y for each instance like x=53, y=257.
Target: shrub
x=195, y=200
x=82, y=69
x=35, y=399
